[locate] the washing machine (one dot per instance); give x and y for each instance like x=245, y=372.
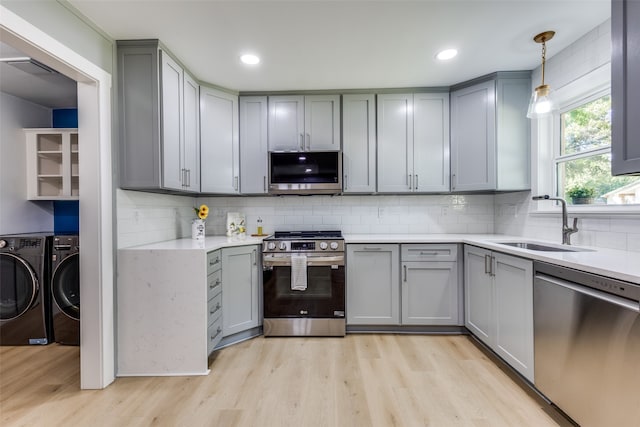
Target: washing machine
x=25, y=303
x=65, y=289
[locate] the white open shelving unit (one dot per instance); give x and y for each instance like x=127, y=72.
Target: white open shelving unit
x=52, y=164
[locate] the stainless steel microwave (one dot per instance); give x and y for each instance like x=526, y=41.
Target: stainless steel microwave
x=309, y=172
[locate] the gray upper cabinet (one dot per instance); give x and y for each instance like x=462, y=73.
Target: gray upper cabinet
x=219, y=142
x=304, y=123
x=490, y=136
x=413, y=142
x=253, y=144
x=359, y=143
x=155, y=153
x=625, y=87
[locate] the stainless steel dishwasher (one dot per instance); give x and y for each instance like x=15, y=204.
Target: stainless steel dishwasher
x=587, y=345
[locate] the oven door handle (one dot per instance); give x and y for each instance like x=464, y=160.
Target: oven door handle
x=313, y=261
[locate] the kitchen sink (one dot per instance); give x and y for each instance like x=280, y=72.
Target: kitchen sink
x=542, y=247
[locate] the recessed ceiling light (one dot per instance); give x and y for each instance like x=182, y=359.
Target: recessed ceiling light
x=250, y=59
x=446, y=54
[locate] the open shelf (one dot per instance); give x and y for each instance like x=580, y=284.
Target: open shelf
x=52, y=164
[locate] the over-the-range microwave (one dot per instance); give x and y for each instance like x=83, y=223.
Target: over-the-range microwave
x=309, y=172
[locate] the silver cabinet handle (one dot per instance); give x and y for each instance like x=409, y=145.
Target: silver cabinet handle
x=487, y=264
x=345, y=181
x=264, y=183
x=453, y=181
x=184, y=177
x=301, y=142
x=372, y=249
x=188, y=177
x=254, y=258
x=405, y=272
x=410, y=179
x=235, y=183
x=308, y=142
x=416, y=186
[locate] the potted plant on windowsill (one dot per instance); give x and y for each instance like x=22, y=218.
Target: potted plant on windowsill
x=581, y=195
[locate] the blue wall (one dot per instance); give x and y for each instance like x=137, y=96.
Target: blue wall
x=66, y=214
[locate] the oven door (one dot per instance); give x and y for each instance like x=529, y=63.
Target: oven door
x=323, y=298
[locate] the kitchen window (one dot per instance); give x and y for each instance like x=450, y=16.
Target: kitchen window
x=583, y=156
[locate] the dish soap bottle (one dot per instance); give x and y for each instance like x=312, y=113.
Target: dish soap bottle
x=259, y=226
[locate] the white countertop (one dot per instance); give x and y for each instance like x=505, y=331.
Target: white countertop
x=622, y=265
x=208, y=244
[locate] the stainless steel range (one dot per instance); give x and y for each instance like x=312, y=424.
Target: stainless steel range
x=304, y=284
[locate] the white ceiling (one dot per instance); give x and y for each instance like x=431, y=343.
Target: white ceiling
x=349, y=44
x=51, y=90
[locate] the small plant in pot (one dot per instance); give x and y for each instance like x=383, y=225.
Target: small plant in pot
x=581, y=195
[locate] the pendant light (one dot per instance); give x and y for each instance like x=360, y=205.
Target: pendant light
x=541, y=103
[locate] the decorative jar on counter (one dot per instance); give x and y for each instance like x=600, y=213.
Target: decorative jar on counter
x=197, y=229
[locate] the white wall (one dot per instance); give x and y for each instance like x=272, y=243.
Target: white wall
x=592, y=51
x=18, y=215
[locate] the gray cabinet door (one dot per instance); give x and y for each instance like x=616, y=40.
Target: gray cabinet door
x=359, y=143
x=513, y=310
x=191, y=163
x=172, y=122
x=286, y=123
x=625, y=87
x=395, y=143
x=473, y=138
x=322, y=122
x=431, y=142
x=219, y=142
x=429, y=293
x=373, y=288
x=240, y=289
x=478, y=291
x=253, y=144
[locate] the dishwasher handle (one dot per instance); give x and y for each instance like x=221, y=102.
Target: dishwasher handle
x=603, y=296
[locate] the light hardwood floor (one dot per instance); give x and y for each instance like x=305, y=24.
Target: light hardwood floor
x=359, y=380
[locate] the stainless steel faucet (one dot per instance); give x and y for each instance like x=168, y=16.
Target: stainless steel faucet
x=566, y=230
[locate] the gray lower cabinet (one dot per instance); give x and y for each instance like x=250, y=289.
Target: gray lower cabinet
x=240, y=289
x=625, y=87
x=214, y=299
x=499, y=305
x=373, y=288
x=490, y=136
x=430, y=285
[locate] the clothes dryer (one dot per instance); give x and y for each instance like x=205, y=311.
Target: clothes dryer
x=65, y=289
x=25, y=304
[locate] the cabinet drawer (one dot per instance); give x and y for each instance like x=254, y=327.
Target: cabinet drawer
x=214, y=334
x=213, y=261
x=214, y=308
x=214, y=284
x=432, y=252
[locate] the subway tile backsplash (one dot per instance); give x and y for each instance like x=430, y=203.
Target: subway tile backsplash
x=148, y=217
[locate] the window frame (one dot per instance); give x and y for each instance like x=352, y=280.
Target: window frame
x=546, y=138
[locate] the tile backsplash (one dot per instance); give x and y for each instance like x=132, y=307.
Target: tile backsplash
x=606, y=231
x=148, y=217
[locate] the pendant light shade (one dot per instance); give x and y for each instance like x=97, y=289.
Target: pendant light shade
x=541, y=103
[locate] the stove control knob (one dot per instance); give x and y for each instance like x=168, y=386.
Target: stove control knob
x=323, y=246
x=271, y=246
x=282, y=246
x=334, y=246
x=3, y=243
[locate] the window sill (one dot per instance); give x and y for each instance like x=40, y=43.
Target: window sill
x=592, y=211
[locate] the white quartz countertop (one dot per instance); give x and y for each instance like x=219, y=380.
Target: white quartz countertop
x=208, y=244
x=621, y=265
